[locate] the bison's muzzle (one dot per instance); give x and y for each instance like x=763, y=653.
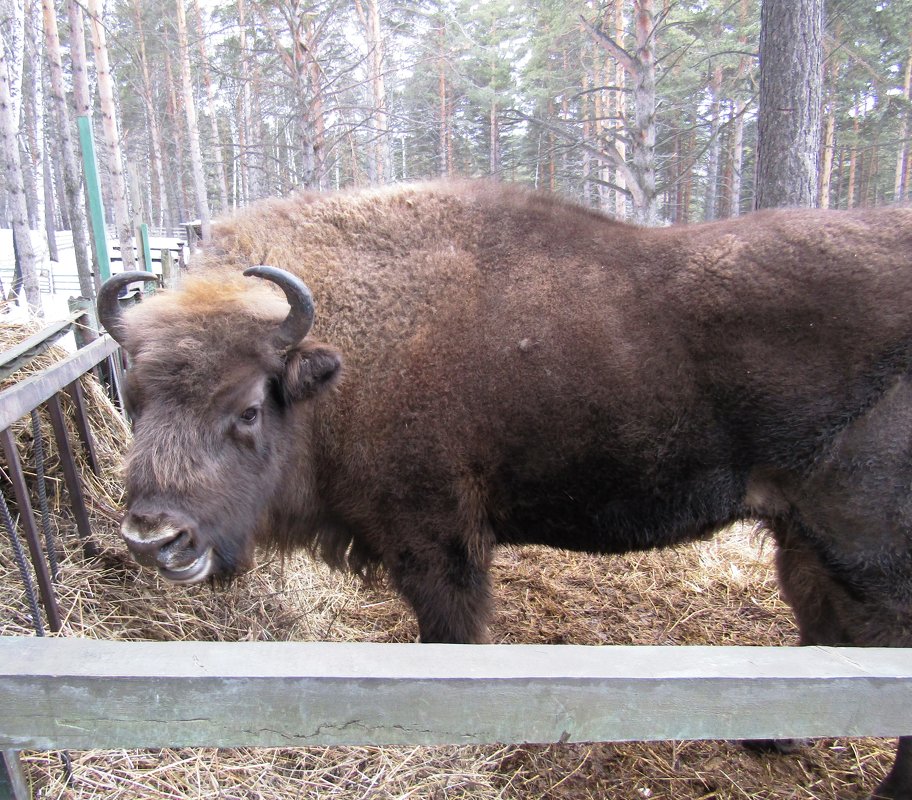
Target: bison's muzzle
x=169, y=543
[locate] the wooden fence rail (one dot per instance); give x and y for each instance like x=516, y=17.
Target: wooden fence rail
x=72, y=693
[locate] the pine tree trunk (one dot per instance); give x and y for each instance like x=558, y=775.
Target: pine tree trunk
x=112, y=137
x=601, y=100
x=247, y=191
x=255, y=138
x=79, y=61
x=552, y=169
x=715, y=145
x=853, y=165
x=725, y=160
x=55, y=160
x=196, y=155
x=788, y=146
x=687, y=194
x=640, y=67
x=446, y=156
x=157, y=149
x=50, y=230
x=12, y=16
x=861, y=179
x=82, y=106
x=737, y=147
x=494, y=130
x=840, y=170
x=209, y=111
x=826, y=166
x=316, y=112
x=15, y=187
x=829, y=121
x=587, y=136
x=72, y=175
x=379, y=150
x=33, y=124
x=177, y=176
x=901, y=166
x=620, y=123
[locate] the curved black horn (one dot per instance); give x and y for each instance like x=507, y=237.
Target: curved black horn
x=109, y=309
x=301, y=317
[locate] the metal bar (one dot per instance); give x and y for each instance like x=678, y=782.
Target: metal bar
x=71, y=477
x=83, y=694
x=19, y=400
x=17, y=357
x=116, y=373
x=45, y=587
x=13, y=783
x=74, y=390
x=93, y=188
x=50, y=546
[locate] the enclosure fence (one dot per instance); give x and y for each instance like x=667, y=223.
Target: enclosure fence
x=24, y=398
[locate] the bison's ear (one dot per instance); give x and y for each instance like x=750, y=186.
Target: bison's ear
x=310, y=368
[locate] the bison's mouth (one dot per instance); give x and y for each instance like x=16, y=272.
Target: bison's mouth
x=194, y=572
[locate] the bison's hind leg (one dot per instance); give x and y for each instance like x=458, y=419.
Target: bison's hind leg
x=830, y=611
x=845, y=543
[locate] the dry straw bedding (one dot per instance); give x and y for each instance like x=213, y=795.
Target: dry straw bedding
x=717, y=592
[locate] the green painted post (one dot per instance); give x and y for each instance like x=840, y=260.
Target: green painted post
x=146, y=251
x=93, y=187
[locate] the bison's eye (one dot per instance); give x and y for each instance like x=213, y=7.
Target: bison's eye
x=250, y=414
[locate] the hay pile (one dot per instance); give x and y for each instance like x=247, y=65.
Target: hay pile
x=720, y=592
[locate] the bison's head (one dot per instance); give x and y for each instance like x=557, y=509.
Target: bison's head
x=222, y=385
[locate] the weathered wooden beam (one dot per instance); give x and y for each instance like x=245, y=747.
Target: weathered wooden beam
x=20, y=399
x=73, y=693
x=22, y=353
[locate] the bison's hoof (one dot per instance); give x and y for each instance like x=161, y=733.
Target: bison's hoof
x=785, y=747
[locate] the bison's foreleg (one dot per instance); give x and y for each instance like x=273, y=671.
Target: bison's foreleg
x=446, y=581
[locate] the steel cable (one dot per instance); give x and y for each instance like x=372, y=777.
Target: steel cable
x=19, y=555
x=49, y=543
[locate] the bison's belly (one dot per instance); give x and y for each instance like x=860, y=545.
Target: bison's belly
x=597, y=507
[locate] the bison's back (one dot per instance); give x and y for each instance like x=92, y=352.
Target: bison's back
x=542, y=351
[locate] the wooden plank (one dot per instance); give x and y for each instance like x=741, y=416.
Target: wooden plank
x=17, y=357
x=73, y=693
x=19, y=400
x=27, y=518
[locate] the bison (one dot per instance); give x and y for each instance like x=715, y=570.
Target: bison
x=492, y=365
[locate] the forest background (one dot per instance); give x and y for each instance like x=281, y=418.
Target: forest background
x=208, y=106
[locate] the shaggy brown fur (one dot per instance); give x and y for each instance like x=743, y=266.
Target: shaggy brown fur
x=518, y=369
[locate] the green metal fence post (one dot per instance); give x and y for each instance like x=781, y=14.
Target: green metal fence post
x=144, y=244
x=93, y=188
